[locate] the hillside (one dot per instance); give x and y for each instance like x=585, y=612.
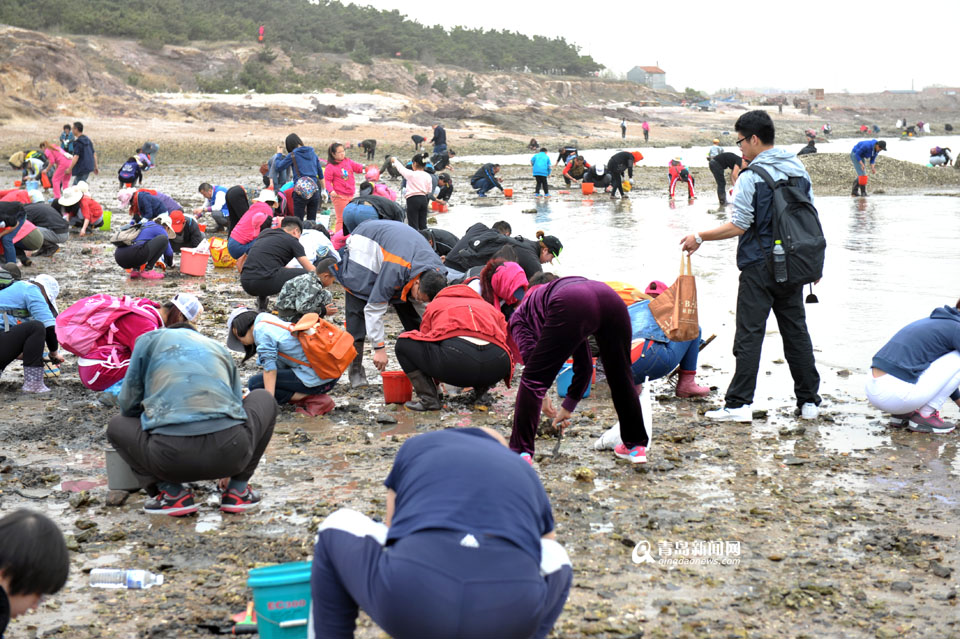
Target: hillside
x=42, y=75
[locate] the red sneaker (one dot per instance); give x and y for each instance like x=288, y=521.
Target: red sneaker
x=234, y=502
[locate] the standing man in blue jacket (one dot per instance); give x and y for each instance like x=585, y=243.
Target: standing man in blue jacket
x=84, y=156
x=439, y=139
x=541, y=169
x=863, y=151
x=752, y=223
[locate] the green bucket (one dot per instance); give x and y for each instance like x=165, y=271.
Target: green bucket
x=281, y=599
x=107, y=216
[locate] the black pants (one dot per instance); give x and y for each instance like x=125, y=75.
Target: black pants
x=357, y=325
x=234, y=452
x=262, y=288
x=417, y=208
x=455, y=361
x=306, y=209
x=371, y=151
x=758, y=294
x=541, y=183
x=616, y=181
x=146, y=254
x=721, y=179
x=26, y=338
x=646, y=135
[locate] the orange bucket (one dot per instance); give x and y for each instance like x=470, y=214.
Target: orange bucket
x=443, y=208
x=396, y=387
x=586, y=188
x=508, y=193
x=435, y=205
x=203, y=227
x=193, y=263
x=862, y=180
x=17, y=183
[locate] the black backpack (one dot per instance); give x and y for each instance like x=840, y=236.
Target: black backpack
x=797, y=225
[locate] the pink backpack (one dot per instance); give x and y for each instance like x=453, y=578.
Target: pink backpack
x=92, y=321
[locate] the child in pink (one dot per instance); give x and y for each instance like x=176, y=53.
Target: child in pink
x=379, y=188
x=59, y=159
x=338, y=177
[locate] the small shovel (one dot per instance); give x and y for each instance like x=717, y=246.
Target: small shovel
x=556, y=447
x=811, y=298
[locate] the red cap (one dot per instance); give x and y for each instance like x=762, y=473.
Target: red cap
x=178, y=221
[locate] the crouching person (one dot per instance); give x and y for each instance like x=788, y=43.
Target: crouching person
x=437, y=569
x=462, y=340
x=182, y=420
x=287, y=375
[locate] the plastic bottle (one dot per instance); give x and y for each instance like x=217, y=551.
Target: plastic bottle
x=779, y=262
x=132, y=579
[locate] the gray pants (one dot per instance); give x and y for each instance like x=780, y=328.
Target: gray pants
x=234, y=452
x=54, y=238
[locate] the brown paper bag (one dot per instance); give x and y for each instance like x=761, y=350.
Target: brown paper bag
x=675, y=310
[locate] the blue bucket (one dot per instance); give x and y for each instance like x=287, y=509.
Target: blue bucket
x=564, y=379
x=281, y=599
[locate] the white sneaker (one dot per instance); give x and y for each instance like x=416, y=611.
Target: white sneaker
x=743, y=414
x=609, y=440
x=809, y=411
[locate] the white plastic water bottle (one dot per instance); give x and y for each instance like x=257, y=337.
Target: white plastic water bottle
x=779, y=262
x=132, y=579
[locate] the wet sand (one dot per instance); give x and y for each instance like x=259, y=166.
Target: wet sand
x=846, y=528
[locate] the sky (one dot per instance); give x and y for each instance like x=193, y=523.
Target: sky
x=838, y=46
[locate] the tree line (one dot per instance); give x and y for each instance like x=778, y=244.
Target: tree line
x=301, y=26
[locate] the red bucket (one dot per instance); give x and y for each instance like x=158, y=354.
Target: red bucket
x=193, y=263
x=862, y=180
x=396, y=387
x=586, y=188
x=508, y=193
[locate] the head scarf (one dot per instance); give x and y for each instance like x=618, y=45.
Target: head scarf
x=505, y=281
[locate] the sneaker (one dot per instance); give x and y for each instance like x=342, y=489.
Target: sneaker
x=166, y=504
x=900, y=421
x=234, y=502
x=609, y=440
x=929, y=424
x=636, y=455
x=527, y=458
x=743, y=414
x=152, y=275
x=134, y=273
x=481, y=194
x=809, y=411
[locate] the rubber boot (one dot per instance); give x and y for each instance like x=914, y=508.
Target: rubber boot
x=863, y=190
x=687, y=385
x=427, y=394
x=33, y=380
x=856, y=187
x=355, y=373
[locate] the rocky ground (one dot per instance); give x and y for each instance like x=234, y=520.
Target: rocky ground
x=840, y=527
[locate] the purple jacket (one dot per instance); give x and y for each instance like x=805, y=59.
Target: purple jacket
x=151, y=230
x=526, y=326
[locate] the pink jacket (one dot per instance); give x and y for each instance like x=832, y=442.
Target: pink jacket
x=418, y=182
x=57, y=157
x=248, y=228
x=339, y=177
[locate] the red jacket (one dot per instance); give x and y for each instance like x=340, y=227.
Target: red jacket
x=675, y=168
x=458, y=311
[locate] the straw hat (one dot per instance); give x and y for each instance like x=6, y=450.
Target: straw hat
x=70, y=196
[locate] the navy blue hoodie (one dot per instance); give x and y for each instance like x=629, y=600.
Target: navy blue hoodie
x=918, y=344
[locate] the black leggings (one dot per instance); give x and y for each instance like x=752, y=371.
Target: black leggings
x=263, y=287
x=721, y=179
x=146, y=254
x=26, y=338
x=417, y=211
x=455, y=361
x=541, y=183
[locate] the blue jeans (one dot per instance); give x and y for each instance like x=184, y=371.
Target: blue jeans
x=80, y=177
x=287, y=384
x=354, y=214
x=439, y=148
x=483, y=184
x=857, y=163
x=660, y=358
x=236, y=249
